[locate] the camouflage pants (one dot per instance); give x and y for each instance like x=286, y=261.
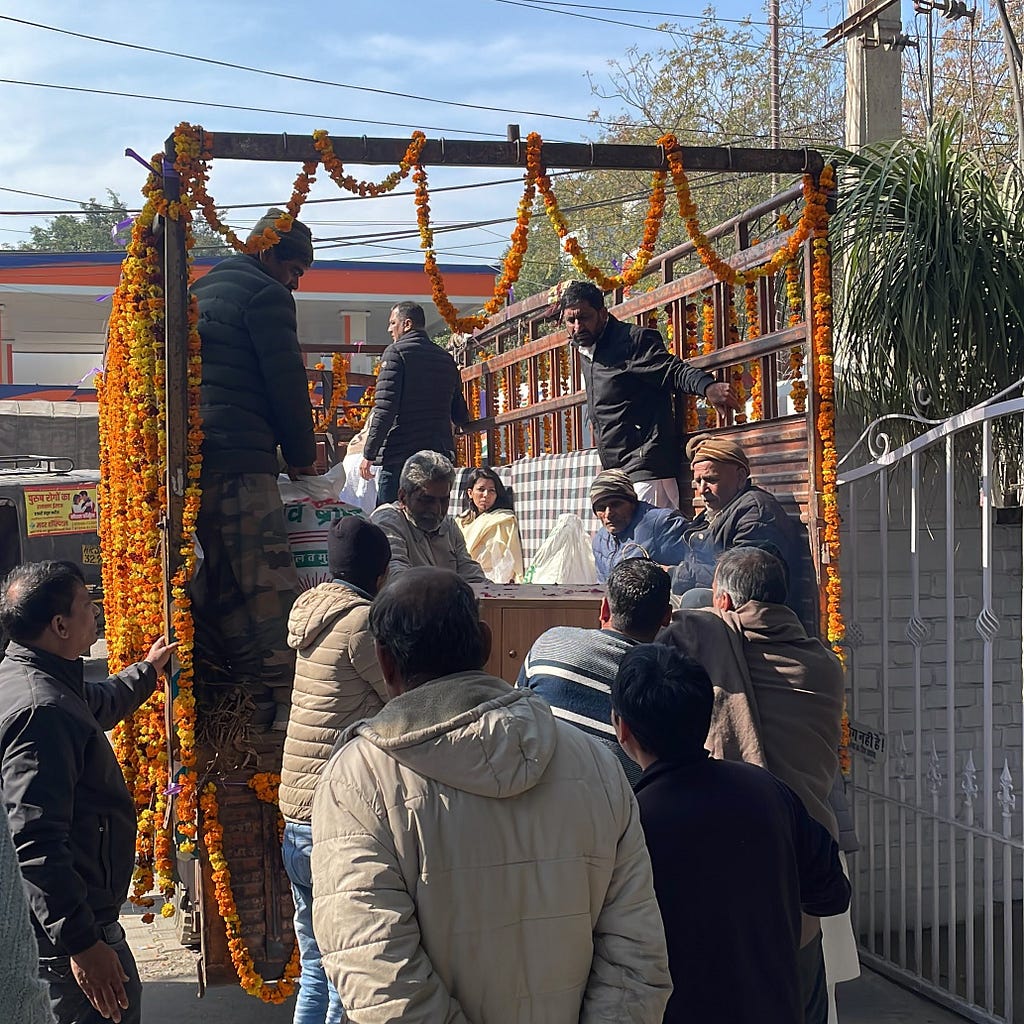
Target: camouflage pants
x=246, y=583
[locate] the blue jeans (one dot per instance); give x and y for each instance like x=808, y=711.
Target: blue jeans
x=317, y=1001
x=387, y=482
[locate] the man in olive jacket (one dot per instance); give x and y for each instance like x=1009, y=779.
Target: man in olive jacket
x=418, y=396
x=254, y=398
x=69, y=809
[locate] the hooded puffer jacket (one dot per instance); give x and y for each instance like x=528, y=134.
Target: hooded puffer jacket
x=337, y=682
x=477, y=860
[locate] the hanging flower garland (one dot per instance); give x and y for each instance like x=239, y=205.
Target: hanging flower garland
x=571, y=245
x=738, y=371
x=814, y=202
x=753, y=311
x=334, y=167
x=513, y=260
x=339, y=376
x=193, y=148
x=213, y=840
x=132, y=498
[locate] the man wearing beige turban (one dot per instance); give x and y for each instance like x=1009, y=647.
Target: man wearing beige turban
x=736, y=512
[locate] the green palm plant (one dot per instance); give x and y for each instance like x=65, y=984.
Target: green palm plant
x=932, y=253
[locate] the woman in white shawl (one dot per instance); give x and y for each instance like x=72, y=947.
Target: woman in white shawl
x=490, y=528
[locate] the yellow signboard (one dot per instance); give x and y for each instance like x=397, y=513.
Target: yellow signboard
x=52, y=510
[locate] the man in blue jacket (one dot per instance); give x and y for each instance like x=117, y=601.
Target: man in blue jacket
x=632, y=528
x=69, y=809
x=254, y=399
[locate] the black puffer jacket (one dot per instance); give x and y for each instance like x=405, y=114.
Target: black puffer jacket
x=254, y=392
x=69, y=809
x=418, y=396
x=630, y=381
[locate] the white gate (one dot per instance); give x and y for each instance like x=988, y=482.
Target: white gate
x=933, y=582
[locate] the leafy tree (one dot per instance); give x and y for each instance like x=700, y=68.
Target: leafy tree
x=970, y=79
x=70, y=233
x=709, y=88
x=94, y=232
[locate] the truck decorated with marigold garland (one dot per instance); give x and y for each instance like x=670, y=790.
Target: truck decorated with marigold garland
x=758, y=316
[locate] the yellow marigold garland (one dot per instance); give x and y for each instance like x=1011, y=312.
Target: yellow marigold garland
x=265, y=787
x=754, y=331
x=339, y=375
x=571, y=245
x=334, y=167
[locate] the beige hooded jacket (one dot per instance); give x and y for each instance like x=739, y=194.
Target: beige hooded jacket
x=476, y=861
x=337, y=682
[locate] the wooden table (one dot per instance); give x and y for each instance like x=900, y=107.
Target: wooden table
x=518, y=614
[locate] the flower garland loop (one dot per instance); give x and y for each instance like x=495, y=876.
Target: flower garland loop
x=265, y=786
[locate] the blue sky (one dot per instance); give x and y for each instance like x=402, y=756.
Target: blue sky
x=489, y=53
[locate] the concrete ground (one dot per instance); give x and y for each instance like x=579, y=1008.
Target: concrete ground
x=170, y=989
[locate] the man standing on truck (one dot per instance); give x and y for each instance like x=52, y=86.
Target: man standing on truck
x=68, y=807
x=418, y=396
x=630, y=378
x=254, y=398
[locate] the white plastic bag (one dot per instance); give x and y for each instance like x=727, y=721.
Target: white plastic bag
x=565, y=556
x=312, y=488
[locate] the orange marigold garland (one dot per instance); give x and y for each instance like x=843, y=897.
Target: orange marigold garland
x=278, y=991
x=334, y=167
x=339, y=376
x=131, y=496
x=571, y=245
x=192, y=146
x=753, y=311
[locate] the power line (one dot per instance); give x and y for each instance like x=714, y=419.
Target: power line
x=235, y=106
x=296, y=78
x=686, y=17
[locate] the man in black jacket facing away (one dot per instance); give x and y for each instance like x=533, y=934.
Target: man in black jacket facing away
x=630, y=377
x=418, y=397
x=254, y=398
x=735, y=854
x=69, y=809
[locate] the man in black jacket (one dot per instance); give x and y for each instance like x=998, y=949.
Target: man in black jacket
x=69, y=809
x=254, y=398
x=630, y=378
x=736, y=856
x=417, y=398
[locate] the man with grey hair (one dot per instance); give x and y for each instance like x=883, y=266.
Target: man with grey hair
x=418, y=525
x=474, y=858
x=778, y=701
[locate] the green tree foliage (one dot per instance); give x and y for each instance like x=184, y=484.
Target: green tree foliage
x=934, y=276
x=92, y=231
x=708, y=86
x=969, y=79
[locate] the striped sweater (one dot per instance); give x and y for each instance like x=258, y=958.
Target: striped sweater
x=573, y=669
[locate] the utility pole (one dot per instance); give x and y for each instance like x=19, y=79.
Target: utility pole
x=775, y=89
x=874, y=83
